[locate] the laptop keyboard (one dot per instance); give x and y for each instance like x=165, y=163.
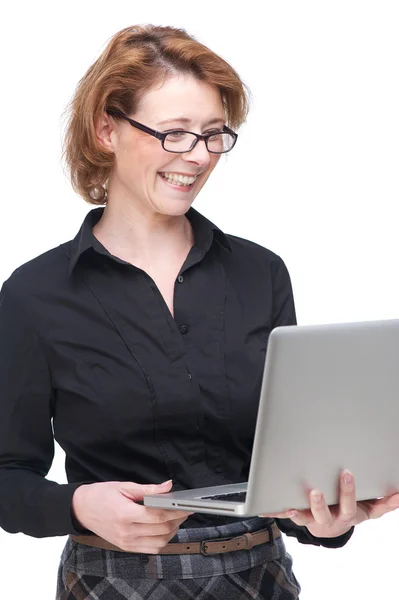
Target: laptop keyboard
x=234, y=497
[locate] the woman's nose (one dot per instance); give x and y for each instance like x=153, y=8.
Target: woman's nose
x=199, y=154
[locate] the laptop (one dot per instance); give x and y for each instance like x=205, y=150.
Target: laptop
x=329, y=400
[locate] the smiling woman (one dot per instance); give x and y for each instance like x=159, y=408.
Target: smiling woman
x=144, y=339
x=140, y=61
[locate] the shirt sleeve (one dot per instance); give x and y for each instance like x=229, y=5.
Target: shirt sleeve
x=303, y=535
x=284, y=314
x=283, y=298
x=29, y=503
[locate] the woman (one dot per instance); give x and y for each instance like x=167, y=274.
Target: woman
x=144, y=340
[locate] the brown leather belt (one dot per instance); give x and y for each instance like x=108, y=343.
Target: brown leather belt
x=221, y=545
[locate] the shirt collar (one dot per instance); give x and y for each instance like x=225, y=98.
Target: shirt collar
x=204, y=234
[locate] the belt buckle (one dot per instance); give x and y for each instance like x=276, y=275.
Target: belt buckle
x=203, y=548
x=204, y=542
x=224, y=539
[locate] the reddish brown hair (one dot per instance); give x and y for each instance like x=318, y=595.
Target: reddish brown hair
x=135, y=60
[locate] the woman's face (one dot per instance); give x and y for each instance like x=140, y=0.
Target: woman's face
x=140, y=161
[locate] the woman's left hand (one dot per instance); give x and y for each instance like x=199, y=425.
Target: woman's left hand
x=328, y=522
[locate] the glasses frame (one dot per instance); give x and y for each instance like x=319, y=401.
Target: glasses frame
x=160, y=135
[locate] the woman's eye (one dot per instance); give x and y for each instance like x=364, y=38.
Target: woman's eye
x=175, y=135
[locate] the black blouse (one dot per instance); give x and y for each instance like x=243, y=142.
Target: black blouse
x=90, y=355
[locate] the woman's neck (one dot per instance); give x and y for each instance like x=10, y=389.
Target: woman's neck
x=143, y=239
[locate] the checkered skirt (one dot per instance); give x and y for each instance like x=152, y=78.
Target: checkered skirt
x=262, y=573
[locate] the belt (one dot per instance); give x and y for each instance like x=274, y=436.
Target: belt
x=245, y=541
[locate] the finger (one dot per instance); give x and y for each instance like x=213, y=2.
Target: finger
x=301, y=517
x=157, y=529
x=156, y=543
x=393, y=501
x=147, y=514
x=319, y=508
x=137, y=491
x=280, y=515
x=347, y=497
x=377, y=508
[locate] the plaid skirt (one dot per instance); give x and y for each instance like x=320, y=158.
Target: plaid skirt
x=262, y=573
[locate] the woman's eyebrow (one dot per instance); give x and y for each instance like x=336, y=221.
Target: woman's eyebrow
x=188, y=121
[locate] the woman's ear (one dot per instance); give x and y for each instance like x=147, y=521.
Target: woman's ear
x=105, y=128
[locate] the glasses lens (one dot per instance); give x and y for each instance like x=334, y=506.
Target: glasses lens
x=181, y=141
x=220, y=142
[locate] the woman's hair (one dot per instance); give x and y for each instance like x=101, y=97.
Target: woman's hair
x=135, y=60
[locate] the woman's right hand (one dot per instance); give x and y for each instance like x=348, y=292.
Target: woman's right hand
x=109, y=509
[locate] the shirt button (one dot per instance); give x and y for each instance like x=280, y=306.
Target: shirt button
x=180, y=279
x=184, y=329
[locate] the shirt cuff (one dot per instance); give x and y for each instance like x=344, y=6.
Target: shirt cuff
x=334, y=542
x=303, y=535
x=58, y=515
x=78, y=529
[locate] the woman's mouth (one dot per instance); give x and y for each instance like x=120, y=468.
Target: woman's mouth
x=182, y=183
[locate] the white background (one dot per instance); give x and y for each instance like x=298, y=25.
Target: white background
x=314, y=177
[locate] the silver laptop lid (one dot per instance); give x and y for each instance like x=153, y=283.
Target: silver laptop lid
x=331, y=401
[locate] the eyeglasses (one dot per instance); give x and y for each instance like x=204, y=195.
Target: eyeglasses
x=184, y=141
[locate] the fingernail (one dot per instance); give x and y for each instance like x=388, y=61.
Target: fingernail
x=348, y=477
x=316, y=496
x=292, y=514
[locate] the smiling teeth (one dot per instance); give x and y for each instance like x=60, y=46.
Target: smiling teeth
x=182, y=179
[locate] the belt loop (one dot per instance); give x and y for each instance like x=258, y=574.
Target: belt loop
x=248, y=540
x=271, y=536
